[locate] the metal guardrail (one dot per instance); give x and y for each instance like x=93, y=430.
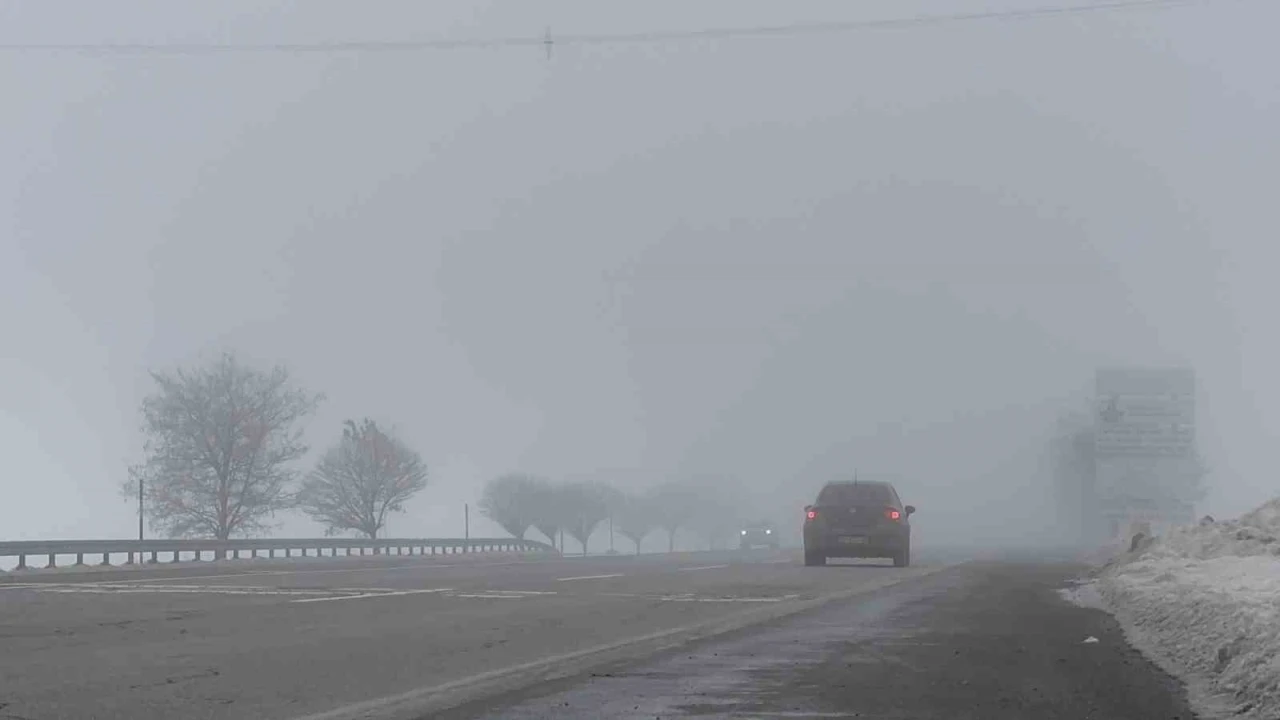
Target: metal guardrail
x=150, y=551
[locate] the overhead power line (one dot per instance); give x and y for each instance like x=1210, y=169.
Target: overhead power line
x=546, y=40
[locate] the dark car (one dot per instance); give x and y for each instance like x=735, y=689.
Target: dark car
x=857, y=519
x=759, y=534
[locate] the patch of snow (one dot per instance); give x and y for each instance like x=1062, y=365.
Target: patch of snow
x=1084, y=595
x=1204, y=601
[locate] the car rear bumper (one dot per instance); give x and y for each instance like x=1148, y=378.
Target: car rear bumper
x=864, y=544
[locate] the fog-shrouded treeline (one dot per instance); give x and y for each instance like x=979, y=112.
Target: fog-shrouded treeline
x=224, y=456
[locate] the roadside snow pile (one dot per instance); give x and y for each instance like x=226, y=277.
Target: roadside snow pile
x=1256, y=533
x=1205, y=602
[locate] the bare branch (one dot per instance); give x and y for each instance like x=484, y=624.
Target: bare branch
x=635, y=518
x=512, y=501
x=367, y=475
x=586, y=505
x=219, y=441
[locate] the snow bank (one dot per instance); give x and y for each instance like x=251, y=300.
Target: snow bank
x=1204, y=601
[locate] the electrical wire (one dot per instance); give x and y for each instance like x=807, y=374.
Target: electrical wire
x=548, y=41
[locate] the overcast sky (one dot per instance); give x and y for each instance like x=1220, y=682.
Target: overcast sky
x=902, y=250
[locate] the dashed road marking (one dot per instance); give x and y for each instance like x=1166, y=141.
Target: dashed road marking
x=702, y=567
x=371, y=595
x=590, y=577
x=98, y=589
x=723, y=599
x=691, y=597
x=320, y=571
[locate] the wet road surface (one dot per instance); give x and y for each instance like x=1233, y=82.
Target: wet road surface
x=989, y=640
x=376, y=638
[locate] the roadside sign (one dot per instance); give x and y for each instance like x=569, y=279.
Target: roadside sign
x=1145, y=444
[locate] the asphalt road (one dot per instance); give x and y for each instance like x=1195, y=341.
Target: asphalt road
x=732, y=635
x=388, y=638
x=989, y=641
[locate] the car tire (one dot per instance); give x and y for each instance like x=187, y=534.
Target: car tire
x=903, y=557
x=813, y=559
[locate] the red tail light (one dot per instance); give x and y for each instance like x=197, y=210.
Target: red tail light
x=893, y=514
x=812, y=514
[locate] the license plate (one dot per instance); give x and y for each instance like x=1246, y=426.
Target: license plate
x=848, y=540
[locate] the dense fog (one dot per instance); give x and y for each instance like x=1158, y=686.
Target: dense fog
x=898, y=250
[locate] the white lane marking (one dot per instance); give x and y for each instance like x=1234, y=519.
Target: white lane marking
x=690, y=597
x=325, y=571
x=722, y=600
x=524, y=592
x=590, y=577
x=185, y=590
x=800, y=714
x=372, y=595
x=702, y=567
x=489, y=595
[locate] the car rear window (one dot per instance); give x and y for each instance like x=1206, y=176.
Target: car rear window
x=855, y=494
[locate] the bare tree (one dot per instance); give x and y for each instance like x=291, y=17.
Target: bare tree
x=219, y=444
x=367, y=475
x=674, y=504
x=635, y=518
x=586, y=504
x=511, y=500
x=549, y=516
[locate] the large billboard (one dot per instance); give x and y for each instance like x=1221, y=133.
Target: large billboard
x=1145, y=443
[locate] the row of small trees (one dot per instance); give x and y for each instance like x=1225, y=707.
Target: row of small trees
x=222, y=444
x=520, y=502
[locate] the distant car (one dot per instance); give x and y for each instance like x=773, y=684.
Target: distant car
x=857, y=519
x=758, y=535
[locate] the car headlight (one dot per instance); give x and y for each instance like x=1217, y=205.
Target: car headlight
x=768, y=532
x=744, y=532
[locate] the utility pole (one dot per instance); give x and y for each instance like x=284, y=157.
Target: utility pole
x=140, y=483
x=466, y=525
x=611, y=534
